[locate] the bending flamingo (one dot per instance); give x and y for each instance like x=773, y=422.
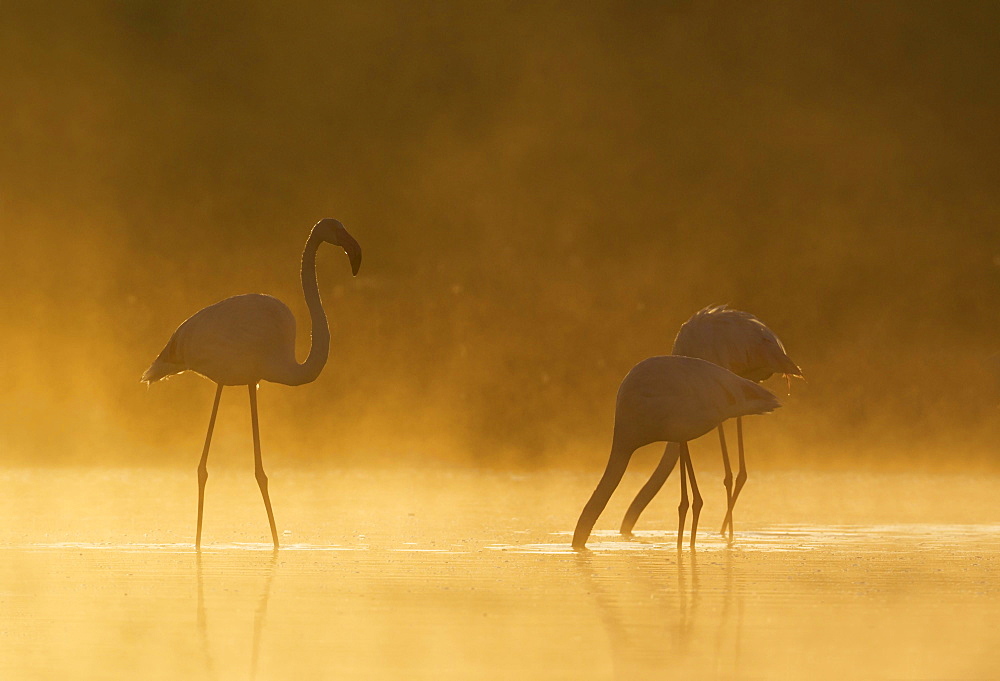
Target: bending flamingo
x=251, y=338
x=675, y=399
x=737, y=341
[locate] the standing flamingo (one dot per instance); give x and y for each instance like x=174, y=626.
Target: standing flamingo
x=251, y=338
x=675, y=399
x=737, y=341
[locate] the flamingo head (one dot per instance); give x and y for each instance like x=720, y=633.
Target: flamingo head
x=333, y=232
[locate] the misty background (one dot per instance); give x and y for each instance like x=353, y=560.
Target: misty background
x=543, y=194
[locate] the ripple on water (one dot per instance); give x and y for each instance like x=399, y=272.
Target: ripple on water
x=786, y=539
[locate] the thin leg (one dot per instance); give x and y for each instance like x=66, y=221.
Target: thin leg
x=696, y=502
x=652, y=486
x=741, y=477
x=682, y=508
x=259, y=466
x=727, y=480
x=617, y=463
x=203, y=467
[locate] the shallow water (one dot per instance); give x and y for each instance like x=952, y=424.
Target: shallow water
x=451, y=574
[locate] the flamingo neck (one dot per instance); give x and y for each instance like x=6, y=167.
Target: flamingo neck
x=617, y=462
x=319, y=349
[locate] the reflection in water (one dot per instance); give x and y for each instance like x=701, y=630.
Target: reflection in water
x=650, y=611
x=202, y=627
x=261, y=613
x=249, y=563
x=732, y=594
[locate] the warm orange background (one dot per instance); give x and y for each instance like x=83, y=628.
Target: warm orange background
x=543, y=195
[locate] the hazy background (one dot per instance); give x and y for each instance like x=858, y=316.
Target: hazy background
x=543, y=195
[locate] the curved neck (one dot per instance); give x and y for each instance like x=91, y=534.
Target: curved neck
x=319, y=349
x=613, y=473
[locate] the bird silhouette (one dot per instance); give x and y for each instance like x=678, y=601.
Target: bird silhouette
x=251, y=338
x=675, y=399
x=737, y=341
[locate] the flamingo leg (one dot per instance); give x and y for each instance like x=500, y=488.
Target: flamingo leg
x=696, y=502
x=682, y=507
x=203, y=466
x=259, y=466
x=617, y=463
x=741, y=477
x=652, y=486
x=727, y=480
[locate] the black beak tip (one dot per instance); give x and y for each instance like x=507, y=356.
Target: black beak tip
x=354, y=255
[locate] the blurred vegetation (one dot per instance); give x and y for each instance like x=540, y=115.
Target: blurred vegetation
x=544, y=193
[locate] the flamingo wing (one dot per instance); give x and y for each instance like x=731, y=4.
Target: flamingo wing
x=237, y=341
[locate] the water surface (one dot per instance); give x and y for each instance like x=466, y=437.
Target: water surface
x=450, y=574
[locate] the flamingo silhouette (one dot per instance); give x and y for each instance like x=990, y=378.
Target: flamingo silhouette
x=737, y=341
x=251, y=338
x=675, y=399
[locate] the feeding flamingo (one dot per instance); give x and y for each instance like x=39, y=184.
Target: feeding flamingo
x=737, y=341
x=676, y=399
x=251, y=338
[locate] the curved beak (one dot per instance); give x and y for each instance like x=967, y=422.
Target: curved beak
x=353, y=250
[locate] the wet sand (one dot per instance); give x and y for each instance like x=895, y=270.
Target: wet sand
x=459, y=575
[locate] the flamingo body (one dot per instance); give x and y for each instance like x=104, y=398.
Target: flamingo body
x=673, y=399
x=735, y=340
x=237, y=341
x=677, y=399
x=741, y=343
x=246, y=339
